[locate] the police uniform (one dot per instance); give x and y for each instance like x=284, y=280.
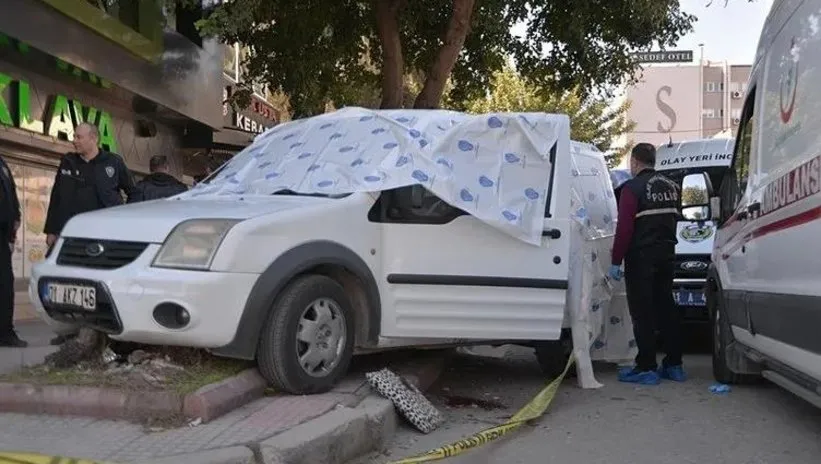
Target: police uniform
x=9, y=215
x=648, y=215
x=81, y=186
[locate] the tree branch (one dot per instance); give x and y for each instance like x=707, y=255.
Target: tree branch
x=393, y=65
x=454, y=40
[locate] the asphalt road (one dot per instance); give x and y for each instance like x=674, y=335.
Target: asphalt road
x=670, y=423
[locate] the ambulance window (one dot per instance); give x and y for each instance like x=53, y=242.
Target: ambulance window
x=735, y=183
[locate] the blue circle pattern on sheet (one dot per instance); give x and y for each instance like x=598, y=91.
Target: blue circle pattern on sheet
x=419, y=175
x=531, y=193
x=464, y=145
x=442, y=161
x=512, y=158
x=494, y=122
x=485, y=181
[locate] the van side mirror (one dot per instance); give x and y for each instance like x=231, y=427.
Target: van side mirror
x=715, y=208
x=695, y=197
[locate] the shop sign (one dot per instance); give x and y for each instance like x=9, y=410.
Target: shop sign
x=247, y=124
x=264, y=110
x=59, y=118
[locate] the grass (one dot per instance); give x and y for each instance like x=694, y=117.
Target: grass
x=200, y=369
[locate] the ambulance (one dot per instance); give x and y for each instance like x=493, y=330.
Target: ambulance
x=763, y=287
x=696, y=166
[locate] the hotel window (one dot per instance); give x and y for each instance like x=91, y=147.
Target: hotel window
x=230, y=62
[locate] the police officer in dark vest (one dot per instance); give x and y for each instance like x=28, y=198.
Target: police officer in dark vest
x=9, y=223
x=645, y=240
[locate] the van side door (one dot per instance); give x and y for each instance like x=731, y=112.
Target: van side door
x=448, y=275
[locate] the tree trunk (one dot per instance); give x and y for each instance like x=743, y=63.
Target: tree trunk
x=87, y=346
x=431, y=95
x=393, y=65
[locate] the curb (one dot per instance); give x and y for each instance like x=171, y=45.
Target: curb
x=344, y=433
x=217, y=399
x=207, y=403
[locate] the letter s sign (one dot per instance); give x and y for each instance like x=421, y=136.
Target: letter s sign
x=666, y=109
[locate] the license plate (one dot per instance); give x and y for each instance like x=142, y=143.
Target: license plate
x=689, y=298
x=72, y=295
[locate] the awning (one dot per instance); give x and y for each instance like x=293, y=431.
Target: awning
x=232, y=139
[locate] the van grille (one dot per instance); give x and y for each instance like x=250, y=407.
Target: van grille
x=686, y=269
x=98, y=254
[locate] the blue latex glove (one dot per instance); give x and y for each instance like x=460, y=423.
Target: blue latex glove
x=615, y=272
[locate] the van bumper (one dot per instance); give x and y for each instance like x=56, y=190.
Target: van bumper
x=689, y=297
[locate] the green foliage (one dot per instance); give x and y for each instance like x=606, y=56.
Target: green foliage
x=591, y=119
x=694, y=196
x=327, y=50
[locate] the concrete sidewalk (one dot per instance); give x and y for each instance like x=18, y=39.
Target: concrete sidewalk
x=38, y=334
x=328, y=428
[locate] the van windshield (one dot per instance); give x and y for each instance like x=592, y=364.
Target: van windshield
x=716, y=174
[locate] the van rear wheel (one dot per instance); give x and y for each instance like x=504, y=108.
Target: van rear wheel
x=553, y=355
x=307, y=342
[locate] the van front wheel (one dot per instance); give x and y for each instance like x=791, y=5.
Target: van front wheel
x=722, y=338
x=307, y=342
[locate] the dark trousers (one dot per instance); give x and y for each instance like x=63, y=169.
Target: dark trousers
x=649, y=283
x=6, y=290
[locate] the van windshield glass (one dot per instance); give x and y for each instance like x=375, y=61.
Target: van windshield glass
x=715, y=173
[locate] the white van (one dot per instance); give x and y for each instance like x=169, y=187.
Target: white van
x=765, y=283
x=695, y=166
x=347, y=232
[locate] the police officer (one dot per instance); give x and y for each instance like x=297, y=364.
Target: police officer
x=87, y=180
x=9, y=223
x=158, y=184
x=645, y=240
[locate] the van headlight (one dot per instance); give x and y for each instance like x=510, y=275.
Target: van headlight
x=192, y=244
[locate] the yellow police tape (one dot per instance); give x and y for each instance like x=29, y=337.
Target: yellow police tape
x=532, y=410
x=32, y=458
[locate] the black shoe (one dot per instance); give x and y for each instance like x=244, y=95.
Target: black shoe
x=13, y=342
x=60, y=339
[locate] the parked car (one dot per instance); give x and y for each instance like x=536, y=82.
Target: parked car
x=340, y=234
x=764, y=295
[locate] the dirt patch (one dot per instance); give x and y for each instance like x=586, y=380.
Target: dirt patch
x=173, y=369
x=455, y=401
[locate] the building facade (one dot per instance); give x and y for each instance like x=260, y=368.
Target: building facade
x=685, y=102
x=142, y=75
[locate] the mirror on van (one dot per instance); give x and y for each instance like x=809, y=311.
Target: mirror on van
x=715, y=208
x=695, y=197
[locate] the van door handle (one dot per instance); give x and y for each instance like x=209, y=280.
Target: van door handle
x=552, y=233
